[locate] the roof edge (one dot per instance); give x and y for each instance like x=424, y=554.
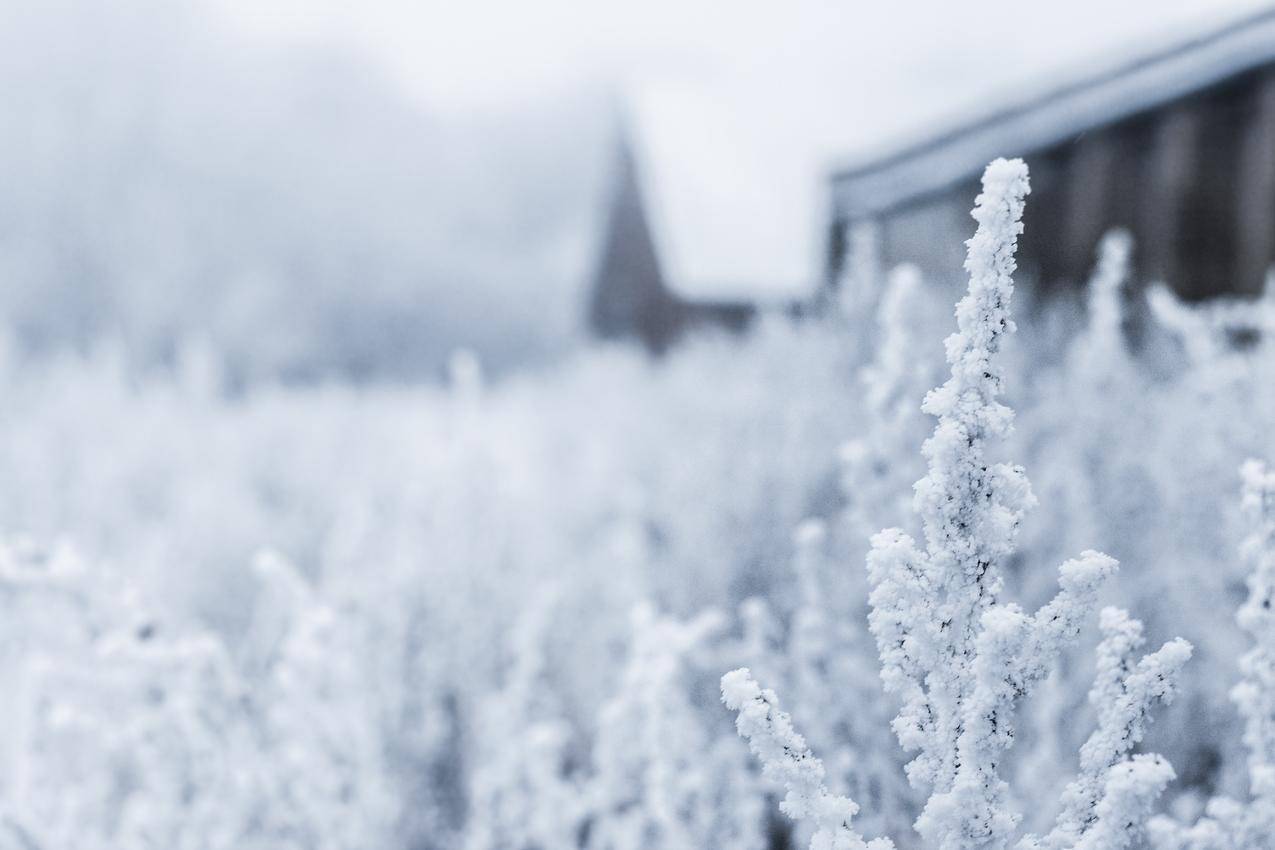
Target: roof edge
x=877, y=183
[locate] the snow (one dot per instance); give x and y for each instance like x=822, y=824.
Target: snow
x=362, y=615
x=438, y=633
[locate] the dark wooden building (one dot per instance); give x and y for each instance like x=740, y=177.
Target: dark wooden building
x=629, y=297
x=1177, y=147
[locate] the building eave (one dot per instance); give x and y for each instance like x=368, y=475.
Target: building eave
x=877, y=184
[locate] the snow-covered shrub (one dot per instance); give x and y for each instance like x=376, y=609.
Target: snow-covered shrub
x=958, y=658
x=663, y=776
x=1088, y=466
x=1230, y=824
x=522, y=796
x=787, y=762
x=1113, y=791
x=832, y=676
x=416, y=522
x=389, y=656
x=1079, y=441
x=1255, y=695
x=1130, y=447
x=763, y=644
x=128, y=730
x=318, y=725
x=880, y=464
x=121, y=732
x=823, y=658
x=1208, y=417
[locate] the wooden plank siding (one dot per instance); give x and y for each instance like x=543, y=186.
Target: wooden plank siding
x=1176, y=145
x=1193, y=180
x=1255, y=195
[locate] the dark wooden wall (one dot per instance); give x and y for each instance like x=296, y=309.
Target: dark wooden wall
x=1193, y=181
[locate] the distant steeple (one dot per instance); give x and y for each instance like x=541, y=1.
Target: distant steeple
x=629, y=299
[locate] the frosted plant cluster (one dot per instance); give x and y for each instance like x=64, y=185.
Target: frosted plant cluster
x=959, y=658
x=494, y=615
x=1229, y=823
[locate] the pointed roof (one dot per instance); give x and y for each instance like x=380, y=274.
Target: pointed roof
x=628, y=296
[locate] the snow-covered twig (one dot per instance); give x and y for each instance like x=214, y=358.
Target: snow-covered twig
x=789, y=763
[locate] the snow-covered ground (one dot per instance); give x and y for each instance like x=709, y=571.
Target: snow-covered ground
x=493, y=611
x=492, y=615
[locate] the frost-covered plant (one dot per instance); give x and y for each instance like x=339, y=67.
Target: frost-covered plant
x=787, y=762
x=428, y=507
x=830, y=677
x=878, y=466
x=521, y=795
x=763, y=645
x=1230, y=824
x=1082, y=442
x=1113, y=790
x=168, y=713
x=661, y=778
x=122, y=732
x=860, y=285
x=129, y=731
x=1255, y=695
x=1092, y=469
x=837, y=696
x=1101, y=349
x=821, y=652
x=1203, y=421
x=957, y=656
x=319, y=725
x=1210, y=331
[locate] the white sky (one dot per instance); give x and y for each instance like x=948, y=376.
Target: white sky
x=746, y=103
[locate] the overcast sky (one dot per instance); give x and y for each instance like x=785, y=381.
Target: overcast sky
x=484, y=52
